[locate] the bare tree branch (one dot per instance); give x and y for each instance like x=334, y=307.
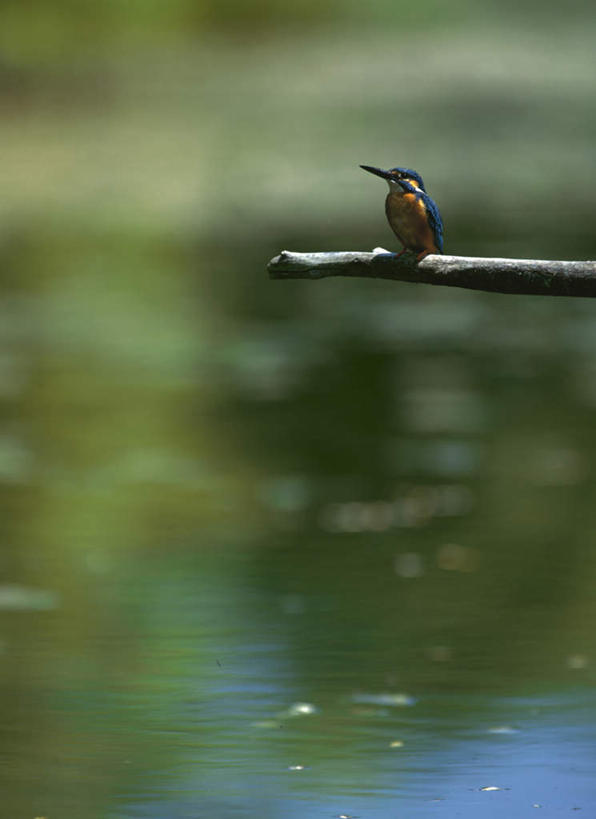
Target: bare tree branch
x=521, y=276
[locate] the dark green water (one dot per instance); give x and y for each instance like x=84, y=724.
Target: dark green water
x=331, y=553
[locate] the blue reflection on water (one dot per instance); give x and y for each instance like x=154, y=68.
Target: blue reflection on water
x=544, y=767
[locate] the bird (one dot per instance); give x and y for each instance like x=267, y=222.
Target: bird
x=411, y=213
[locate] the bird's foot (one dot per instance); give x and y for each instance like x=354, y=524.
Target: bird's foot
x=380, y=251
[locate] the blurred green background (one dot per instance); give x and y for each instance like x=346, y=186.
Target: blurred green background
x=292, y=548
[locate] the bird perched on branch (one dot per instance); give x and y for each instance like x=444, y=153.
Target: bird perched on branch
x=412, y=214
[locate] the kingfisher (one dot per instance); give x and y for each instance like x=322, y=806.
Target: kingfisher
x=411, y=213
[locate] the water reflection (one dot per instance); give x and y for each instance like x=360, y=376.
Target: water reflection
x=359, y=585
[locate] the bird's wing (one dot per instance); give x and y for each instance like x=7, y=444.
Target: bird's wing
x=434, y=220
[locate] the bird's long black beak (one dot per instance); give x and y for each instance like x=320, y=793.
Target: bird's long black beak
x=377, y=171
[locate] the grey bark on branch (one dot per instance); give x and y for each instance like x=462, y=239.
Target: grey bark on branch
x=532, y=277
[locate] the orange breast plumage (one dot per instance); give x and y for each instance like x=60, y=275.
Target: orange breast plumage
x=407, y=215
